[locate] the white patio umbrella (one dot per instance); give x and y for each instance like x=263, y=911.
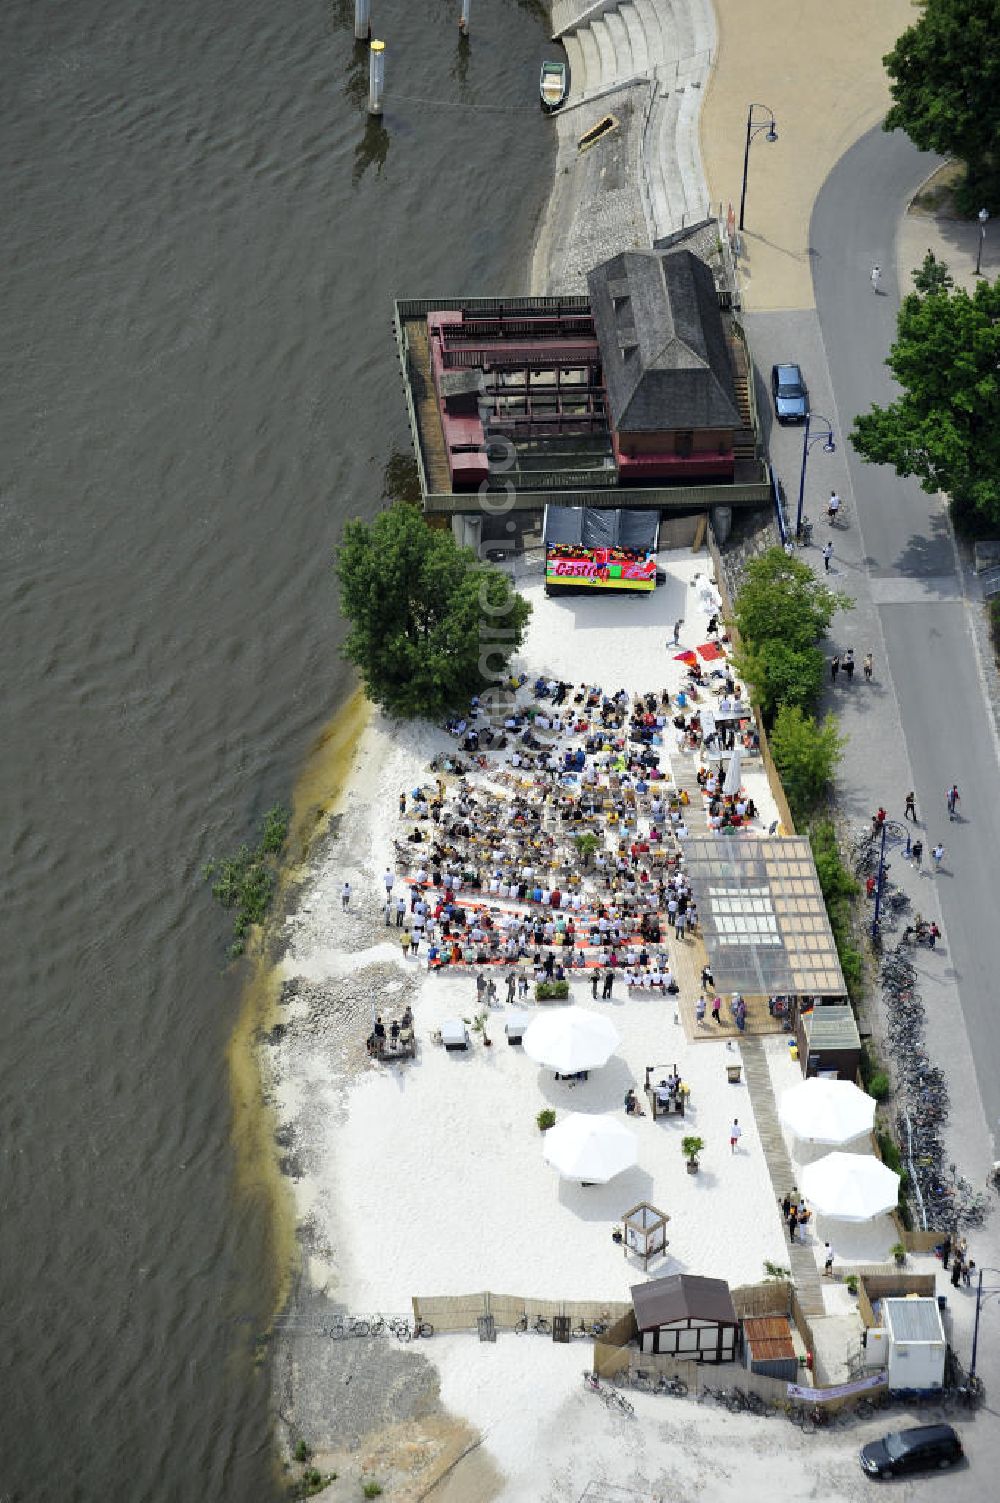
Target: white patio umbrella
x=827, y=1111
x=734, y=773
x=571, y=1039
x=849, y=1186
x=591, y=1148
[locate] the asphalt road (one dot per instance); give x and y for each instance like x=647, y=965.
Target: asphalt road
x=914, y=579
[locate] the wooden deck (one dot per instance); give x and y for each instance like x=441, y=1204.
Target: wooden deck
x=426, y=404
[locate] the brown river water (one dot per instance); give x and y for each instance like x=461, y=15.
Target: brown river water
x=201, y=241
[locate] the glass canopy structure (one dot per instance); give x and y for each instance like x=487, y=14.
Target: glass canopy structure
x=763, y=919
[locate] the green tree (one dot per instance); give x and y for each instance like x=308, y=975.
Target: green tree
x=945, y=428
x=779, y=673
x=944, y=74
x=782, y=598
x=806, y=753
x=430, y=625
x=933, y=275
x=839, y=890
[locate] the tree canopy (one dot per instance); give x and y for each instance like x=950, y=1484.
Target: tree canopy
x=781, y=612
x=944, y=74
x=806, y=753
x=430, y=626
x=945, y=428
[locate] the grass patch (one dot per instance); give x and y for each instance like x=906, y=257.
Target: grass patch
x=246, y=881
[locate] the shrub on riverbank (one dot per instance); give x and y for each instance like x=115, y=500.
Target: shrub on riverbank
x=246, y=881
x=430, y=626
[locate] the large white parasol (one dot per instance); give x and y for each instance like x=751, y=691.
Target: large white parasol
x=590, y=1148
x=571, y=1039
x=734, y=774
x=849, y=1186
x=827, y=1111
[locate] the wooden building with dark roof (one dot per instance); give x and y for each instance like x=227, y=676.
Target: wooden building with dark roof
x=667, y=366
x=687, y=1316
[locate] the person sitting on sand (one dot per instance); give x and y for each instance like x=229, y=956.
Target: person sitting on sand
x=632, y=1107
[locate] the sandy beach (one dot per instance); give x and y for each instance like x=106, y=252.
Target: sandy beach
x=426, y=1178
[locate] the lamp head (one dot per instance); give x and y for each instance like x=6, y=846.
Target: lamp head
x=772, y=136
x=829, y=447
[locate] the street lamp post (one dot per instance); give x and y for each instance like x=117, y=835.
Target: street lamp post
x=829, y=447
x=981, y=1296
x=984, y=215
x=754, y=128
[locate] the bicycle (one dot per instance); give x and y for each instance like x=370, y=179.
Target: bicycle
x=539, y=1324
x=676, y=1388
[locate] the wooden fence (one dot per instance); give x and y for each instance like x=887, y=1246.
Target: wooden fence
x=462, y=1312
x=882, y=1283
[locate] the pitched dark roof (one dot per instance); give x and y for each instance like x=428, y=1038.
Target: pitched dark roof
x=682, y=1296
x=663, y=344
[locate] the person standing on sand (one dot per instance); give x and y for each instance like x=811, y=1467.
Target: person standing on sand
x=735, y=1133
x=345, y=896
x=717, y=1010
x=677, y=632
x=699, y=1010
x=595, y=982
x=828, y=1261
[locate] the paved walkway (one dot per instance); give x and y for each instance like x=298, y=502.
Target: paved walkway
x=819, y=69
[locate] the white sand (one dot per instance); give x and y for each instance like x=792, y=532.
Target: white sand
x=427, y=1178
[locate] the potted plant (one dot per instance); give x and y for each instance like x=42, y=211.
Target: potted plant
x=899, y=1253
x=851, y=1283
x=586, y=844
x=691, y=1147
x=546, y=1118
x=478, y=1025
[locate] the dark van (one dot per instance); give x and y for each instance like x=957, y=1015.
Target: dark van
x=911, y=1451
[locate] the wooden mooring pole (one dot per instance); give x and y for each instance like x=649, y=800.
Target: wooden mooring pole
x=362, y=20
x=463, y=20
x=376, y=77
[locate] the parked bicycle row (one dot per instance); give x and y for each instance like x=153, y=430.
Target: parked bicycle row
x=949, y=1201
x=362, y=1325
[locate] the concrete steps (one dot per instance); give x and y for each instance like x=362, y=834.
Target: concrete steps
x=632, y=22
x=591, y=61
x=624, y=64
x=649, y=14
x=666, y=192
x=577, y=65
x=606, y=51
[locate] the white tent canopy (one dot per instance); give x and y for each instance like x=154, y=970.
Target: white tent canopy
x=827, y=1111
x=590, y=1148
x=849, y=1187
x=570, y=1039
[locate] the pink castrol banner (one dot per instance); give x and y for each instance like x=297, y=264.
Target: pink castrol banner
x=603, y=568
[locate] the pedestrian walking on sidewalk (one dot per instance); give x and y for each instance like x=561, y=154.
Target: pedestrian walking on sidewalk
x=345, y=896
x=834, y=667
x=875, y=275
x=910, y=811
x=869, y=666
x=918, y=853
x=677, y=631
x=400, y=912
x=953, y=800
x=937, y=856
x=735, y=1133
x=717, y=1009
x=833, y=507
x=827, y=555
x=848, y=664
x=793, y=1221
x=828, y=1264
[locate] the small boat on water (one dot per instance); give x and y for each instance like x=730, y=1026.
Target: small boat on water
x=552, y=86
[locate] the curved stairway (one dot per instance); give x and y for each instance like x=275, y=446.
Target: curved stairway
x=668, y=45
